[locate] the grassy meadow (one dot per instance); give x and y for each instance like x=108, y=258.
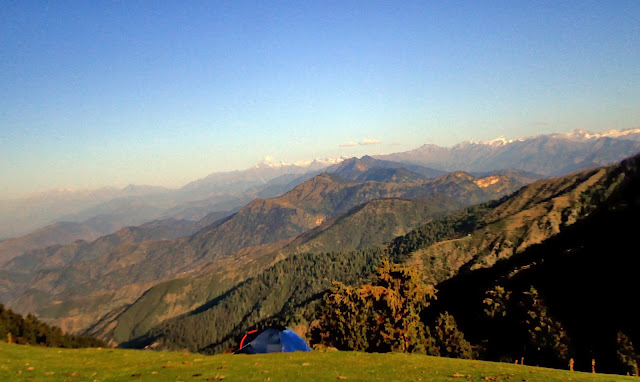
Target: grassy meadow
x=33, y=363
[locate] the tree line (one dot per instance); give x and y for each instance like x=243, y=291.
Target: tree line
x=14, y=328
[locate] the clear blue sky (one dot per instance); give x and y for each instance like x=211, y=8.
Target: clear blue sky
x=96, y=93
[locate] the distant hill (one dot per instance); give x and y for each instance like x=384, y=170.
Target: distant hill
x=262, y=173
x=108, y=209
x=63, y=233
x=311, y=203
x=548, y=155
x=19, y=217
x=81, y=250
x=20, y=271
x=357, y=169
x=57, y=233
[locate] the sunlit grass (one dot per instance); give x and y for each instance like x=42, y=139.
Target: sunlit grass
x=32, y=363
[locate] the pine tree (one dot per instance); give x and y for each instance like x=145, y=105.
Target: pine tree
x=627, y=354
x=449, y=339
x=547, y=338
x=383, y=316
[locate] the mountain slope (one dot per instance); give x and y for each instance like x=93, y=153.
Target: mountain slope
x=353, y=168
x=322, y=197
x=54, y=234
x=41, y=267
x=174, y=297
x=586, y=275
x=262, y=173
x=391, y=175
x=56, y=255
x=530, y=216
x=215, y=326
x=372, y=223
x=65, y=233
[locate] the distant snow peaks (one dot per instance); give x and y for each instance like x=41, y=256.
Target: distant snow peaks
x=579, y=135
x=500, y=141
x=583, y=135
x=316, y=162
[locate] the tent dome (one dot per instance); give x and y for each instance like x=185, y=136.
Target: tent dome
x=272, y=340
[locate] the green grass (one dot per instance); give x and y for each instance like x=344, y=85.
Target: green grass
x=32, y=363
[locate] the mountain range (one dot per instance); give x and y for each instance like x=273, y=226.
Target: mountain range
x=533, y=238
x=548, y=155
x=240, y=249
x=557, y=154
x=106, y=210
x=76, y=279
x=110, y=216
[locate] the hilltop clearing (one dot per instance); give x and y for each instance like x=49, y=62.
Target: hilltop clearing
x=35, y=363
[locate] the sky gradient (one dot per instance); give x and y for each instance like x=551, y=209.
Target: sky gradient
x=118, y=92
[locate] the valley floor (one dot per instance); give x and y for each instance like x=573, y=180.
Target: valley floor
x=30, y=363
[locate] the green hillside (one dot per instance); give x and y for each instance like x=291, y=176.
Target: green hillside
x=372, y=223
x=175, y=297
x=19, y=363
x=291, y=283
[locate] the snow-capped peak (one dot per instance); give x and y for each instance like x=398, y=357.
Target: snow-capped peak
x=500, y=141
x=582, y=135
x=270, y=162
x=579, y=135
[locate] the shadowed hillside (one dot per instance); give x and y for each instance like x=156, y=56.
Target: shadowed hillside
x=586, y=275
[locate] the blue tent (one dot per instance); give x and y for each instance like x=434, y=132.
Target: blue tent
x=272, y=340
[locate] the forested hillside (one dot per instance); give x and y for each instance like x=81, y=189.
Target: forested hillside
x=372, y=223
x=289, y=285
